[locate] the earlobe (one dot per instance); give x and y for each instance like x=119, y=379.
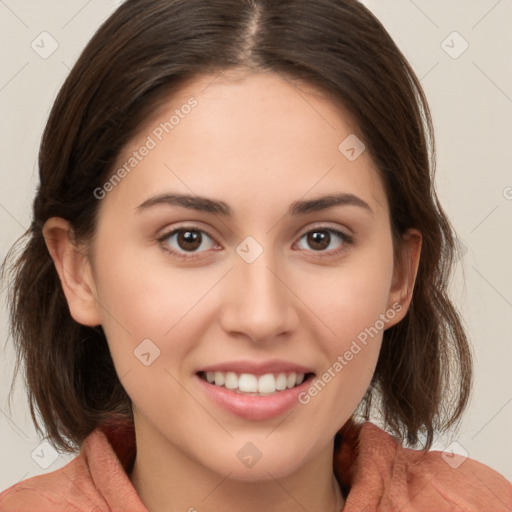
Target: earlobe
x=404, y=275
x=73, y=268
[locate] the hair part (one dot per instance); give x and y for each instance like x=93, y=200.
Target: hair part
x=134, y=63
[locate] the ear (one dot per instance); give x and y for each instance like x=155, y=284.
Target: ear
x=404, y=274
x=74, y=271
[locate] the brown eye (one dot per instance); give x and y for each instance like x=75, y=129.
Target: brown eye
x=186, y=240
x=320, y=239
x=189, y=240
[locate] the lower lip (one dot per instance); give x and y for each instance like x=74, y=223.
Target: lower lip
x=255, y=408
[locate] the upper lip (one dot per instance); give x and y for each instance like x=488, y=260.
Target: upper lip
x=257, y=368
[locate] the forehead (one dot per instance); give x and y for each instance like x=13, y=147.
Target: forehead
x=249, y=137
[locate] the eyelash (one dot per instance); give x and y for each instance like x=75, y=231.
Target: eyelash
x=347, y=240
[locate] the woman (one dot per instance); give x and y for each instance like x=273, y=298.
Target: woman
x=237, y=251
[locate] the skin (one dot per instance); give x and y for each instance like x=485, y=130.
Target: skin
x=258, y=143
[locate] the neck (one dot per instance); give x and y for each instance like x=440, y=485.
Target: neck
x=167, y=480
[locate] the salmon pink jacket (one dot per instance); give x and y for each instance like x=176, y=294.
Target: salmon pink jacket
x=374, y=471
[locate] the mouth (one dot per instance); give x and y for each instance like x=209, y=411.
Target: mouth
x=255, y=385
x=255, y=390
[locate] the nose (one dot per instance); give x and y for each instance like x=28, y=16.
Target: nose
x=259, y=304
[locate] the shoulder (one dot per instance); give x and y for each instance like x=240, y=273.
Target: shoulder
x=70, y=488
x=414, y=480
x=95, y=480
x=67, y=488
x=456, y=481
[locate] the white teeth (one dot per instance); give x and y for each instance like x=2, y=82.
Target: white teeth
x=231, y=380
x=281, y=382
x=267, y=383
x=291, y=380
x=249, y=383
x=219, y=379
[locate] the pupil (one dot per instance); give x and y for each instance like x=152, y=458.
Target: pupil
x=191, y=239
x=317, y=237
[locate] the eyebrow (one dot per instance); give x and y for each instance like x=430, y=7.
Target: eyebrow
x=205, y=204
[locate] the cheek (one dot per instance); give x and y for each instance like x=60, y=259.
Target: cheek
x=145, y=295
x=352, y=304
x=350, y=298
x=148, y=320
x=147, y=299
x=136, y=302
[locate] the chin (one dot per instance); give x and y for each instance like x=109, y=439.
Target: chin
x=249, y=464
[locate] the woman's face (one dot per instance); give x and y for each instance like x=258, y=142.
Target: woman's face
x=248, y=274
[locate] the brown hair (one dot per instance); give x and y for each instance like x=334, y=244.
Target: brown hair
x=137, y=58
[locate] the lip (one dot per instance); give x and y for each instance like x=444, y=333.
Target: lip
x=257, y=368
x=254, y=408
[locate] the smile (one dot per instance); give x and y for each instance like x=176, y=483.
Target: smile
x=258, y=396
x=253, y=385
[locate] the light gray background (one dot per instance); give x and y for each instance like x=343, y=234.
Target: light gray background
x=471, y=101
